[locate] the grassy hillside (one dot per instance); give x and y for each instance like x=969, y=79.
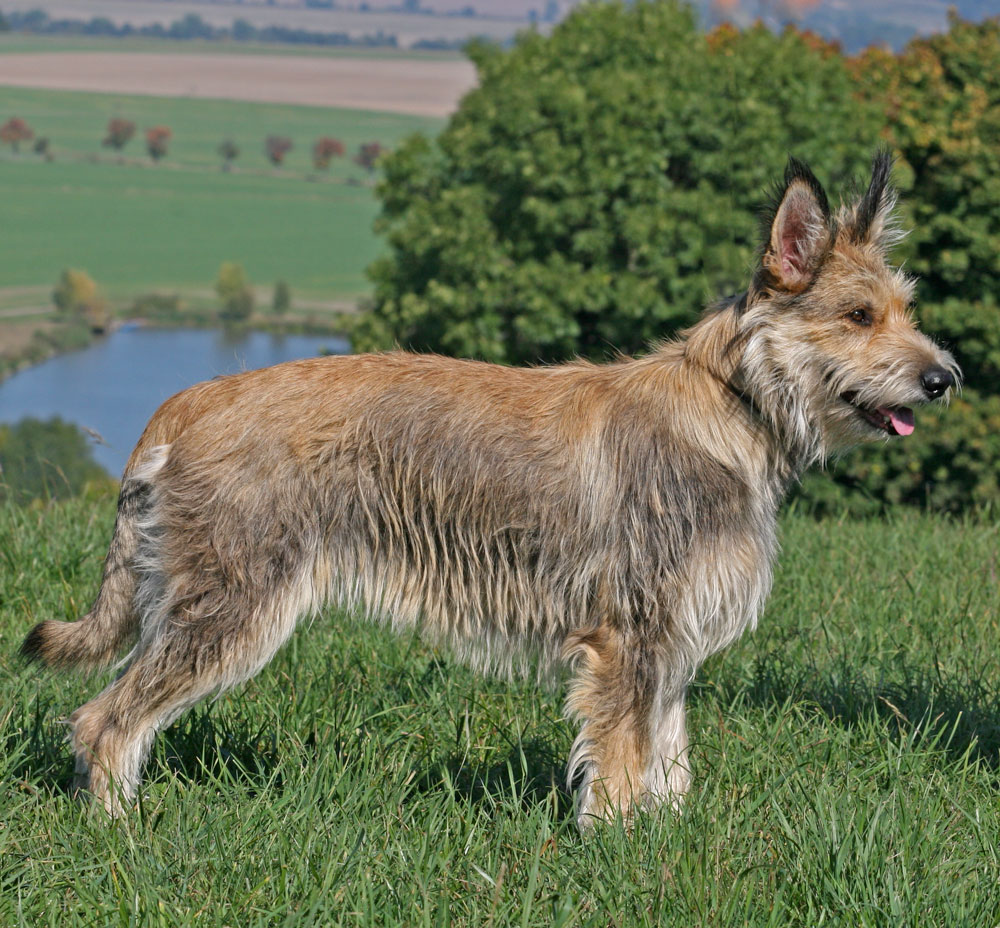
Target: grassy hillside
x=845, y=760
x=136, y=226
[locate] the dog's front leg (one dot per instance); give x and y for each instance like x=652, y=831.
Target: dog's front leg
x=632, y=746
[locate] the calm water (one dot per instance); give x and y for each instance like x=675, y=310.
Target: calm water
x=114, y=386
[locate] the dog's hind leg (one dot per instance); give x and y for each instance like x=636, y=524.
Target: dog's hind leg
x=204, y=649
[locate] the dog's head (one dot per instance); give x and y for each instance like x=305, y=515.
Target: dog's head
x=833, y=355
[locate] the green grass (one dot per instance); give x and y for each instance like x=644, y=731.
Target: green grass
x=845, y=759
x=136, y=226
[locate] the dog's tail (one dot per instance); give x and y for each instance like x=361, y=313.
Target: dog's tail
x=95, y=640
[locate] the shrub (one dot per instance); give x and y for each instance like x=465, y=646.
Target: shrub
x=45, y=460
x=157, y=141
x=276, y=147
x=156, y=305
x=235, y=293
x=368, y=155
x=76, y=293
x=282, y=300
x=119, y=133
x=229, y=151
x=325, y=150
x=15, y=131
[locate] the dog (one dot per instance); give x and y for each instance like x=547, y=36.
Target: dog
x=619, y=519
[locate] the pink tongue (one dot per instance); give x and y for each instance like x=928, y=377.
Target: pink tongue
x=901, y=418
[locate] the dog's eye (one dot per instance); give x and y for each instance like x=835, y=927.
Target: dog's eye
x=860, y=316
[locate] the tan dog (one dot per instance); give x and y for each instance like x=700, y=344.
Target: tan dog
x=620, y=518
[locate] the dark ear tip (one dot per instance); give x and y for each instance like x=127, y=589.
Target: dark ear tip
x=797, y=170
x=883, y=157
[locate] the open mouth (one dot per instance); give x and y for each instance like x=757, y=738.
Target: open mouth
x=894, y=420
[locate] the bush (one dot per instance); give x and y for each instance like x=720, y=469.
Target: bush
x=325, y=150
x=276, y=147
x=156, y=306
x=158, y=141
x=15, y=131
x=601, y=184
x=235, y=293
x=282, y=300
x=77, y=294
x=45, y=460
x=368, y=155
x=119, y=133
x=229, y=151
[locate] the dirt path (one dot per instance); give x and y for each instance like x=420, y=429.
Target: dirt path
x=16, y=311
x=421, y=88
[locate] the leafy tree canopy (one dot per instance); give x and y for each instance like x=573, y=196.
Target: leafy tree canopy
x=600, y=185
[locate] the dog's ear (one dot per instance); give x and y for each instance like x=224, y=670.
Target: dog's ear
x=799, y=234
x=872, y=221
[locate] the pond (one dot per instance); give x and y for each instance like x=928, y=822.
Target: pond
x=112, y=387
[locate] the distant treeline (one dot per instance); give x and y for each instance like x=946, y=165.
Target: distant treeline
x=191, y=26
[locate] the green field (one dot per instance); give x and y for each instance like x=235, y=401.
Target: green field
x=845, y=759
x=136, y=226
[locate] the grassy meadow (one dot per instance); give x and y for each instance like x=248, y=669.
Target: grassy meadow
x=845, y=759
x=135, y=226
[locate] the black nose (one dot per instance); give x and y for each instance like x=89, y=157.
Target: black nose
x=935, y=380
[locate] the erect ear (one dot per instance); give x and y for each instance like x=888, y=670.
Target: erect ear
x=872, y=220
x=800, y=230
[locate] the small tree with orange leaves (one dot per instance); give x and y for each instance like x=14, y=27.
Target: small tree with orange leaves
x=325, y=150
x=276, y=147
x=157, y=141
x=14, y=131
x=368, y=155
x=119, y=133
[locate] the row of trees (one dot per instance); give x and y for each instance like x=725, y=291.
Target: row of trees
x=236, y=294
x=601, y=185
x=79, y=298
x=190, y=26
x=120, y=132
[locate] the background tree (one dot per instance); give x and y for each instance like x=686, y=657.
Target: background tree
x=77, y=294
x=276, y=147
x=119, y=133
x=601, y=184
x=158, y=141
x=15, y=131
x=368, y=155
x=282, y=300
x=45, y=460
x=324, y=150
x=229, y=151
x=235, y=293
